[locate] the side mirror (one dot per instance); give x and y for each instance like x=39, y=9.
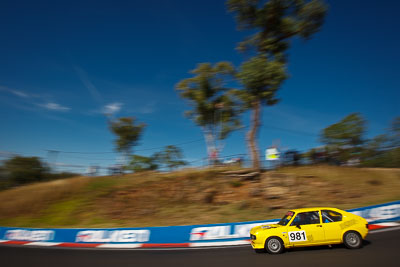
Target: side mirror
x=298, y=225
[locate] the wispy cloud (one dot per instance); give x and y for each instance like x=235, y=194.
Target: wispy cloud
x=148, y=108
x=89, y=85
x=54, y=106
x=14, y=92
x=33, y=101
x=112, y=108
x=19, y=93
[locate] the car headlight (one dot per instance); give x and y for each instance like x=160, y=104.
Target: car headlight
x=253, y=237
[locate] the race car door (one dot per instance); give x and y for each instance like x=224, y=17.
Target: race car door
x=331, y=221
x=306, y=229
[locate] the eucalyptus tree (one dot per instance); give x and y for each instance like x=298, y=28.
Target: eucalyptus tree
x=394, y=134
x=170, y=157
x=212, y=107
x=140, y=163
x=21, y=170
x=274, y=24
x=346, y=137
x=261, y=79
x=128, y=132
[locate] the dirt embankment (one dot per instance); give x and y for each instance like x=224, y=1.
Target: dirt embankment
x=193, y=196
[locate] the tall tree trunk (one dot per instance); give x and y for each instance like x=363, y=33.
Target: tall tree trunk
x=253, y=133
x=211, y=146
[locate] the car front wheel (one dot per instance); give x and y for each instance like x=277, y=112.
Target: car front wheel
x=274, y=245
x=352, y=239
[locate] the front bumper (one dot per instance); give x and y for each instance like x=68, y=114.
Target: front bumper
x=256, y=243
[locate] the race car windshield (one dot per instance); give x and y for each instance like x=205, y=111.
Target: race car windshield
x=285, y=220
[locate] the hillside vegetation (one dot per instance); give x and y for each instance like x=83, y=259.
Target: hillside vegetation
x=192, y=196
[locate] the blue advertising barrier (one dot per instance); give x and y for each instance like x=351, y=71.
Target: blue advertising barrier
x=189, y=234
x=388, y=212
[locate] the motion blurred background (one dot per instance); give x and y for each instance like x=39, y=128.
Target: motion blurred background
x=159, y=90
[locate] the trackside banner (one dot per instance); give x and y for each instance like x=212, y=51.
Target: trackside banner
x=197, y=234
x=389, y=212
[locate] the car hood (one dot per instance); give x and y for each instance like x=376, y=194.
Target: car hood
x=265, y=227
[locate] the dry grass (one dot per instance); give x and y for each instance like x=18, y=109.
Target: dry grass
x=348, y=187
x=31, y=199
x=191, y=197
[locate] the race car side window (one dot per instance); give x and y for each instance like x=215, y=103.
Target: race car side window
x=303, y=218
x=330, y=216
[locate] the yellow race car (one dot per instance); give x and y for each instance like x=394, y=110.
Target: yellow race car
x=310, y=227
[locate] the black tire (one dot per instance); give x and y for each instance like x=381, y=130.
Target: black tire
x=352, y=240
x=274, y=245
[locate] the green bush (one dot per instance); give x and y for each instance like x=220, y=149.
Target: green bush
x=387, y=159
x=236, y=183
x=22, y=170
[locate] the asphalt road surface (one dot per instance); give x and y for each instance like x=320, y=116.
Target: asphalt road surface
x=381, y=249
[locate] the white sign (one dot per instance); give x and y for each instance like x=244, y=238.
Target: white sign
x=297, y=236
x=272, y=154
x=105, y=236
x=223, y=231
x=29, y=235
x=379, y=213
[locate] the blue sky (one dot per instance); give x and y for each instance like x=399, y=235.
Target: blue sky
x=63, y=63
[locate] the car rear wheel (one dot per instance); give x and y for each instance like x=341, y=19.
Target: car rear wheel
x=352, y=239
x=274, y=245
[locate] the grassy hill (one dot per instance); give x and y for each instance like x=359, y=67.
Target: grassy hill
x=192, y=196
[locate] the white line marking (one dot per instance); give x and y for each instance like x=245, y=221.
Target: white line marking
x=44, y=244
x=187, y=248
x=120, y=246
x=217, y=244
x=387, y=224
x=385, y=230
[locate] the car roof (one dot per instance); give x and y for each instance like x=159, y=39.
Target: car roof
x=315, y=208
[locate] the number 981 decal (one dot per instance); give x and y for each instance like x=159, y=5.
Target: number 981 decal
x=297, y=236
